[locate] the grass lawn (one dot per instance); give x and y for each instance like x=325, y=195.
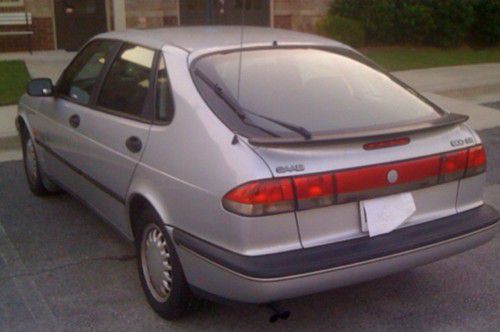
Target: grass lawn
x=13, y=79
x=404, y=58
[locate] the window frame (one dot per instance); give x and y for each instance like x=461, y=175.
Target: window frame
x=150, y=114
x=171, y=113
x=147, y=114
x=110, y=58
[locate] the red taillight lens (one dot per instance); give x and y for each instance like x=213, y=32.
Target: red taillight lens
x=476, y=162
x=314, y=190
x=261, y=197
x=364, y=182
x=453, y=166
x=273, y=196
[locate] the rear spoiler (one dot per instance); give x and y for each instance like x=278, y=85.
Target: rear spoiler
x=447, y=120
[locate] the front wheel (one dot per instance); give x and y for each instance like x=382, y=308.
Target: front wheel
x=160, y=271
x=32, y=167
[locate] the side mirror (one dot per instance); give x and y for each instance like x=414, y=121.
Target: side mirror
x=40, y=87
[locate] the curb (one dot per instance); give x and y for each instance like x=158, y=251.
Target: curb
x=10, y=143
x=472, y=91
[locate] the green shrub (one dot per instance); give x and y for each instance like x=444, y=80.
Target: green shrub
x=444, y=23
x=486, y=26
x=376, y=16
x=453, y=20
x=414, y=22
x=342, y=29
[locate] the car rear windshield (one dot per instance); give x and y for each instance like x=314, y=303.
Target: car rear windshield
x=320, y=90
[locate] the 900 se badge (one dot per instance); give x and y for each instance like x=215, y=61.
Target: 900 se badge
x=290, y=168
x=460, y=142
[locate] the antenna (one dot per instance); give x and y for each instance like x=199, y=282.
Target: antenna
x=241, y=47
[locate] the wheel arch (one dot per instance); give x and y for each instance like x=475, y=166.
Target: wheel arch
x=138, y=202
x=22, y=125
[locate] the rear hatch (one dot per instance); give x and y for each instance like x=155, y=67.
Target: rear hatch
x=305, y=111
x=434, y=198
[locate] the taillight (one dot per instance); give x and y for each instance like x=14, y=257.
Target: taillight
x=362, y=183
x=476, y=162
x=453, y=166
x=261, y=197
x=271, y=196
x=314, y=190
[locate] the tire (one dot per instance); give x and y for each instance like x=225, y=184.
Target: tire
x=32, y=168
x=165, y=267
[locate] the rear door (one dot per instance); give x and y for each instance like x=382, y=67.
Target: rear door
x=114, y=132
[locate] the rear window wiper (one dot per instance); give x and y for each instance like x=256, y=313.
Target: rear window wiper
x=242, y=112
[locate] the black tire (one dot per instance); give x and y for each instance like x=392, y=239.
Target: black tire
x=33, y=171
x=179, y=298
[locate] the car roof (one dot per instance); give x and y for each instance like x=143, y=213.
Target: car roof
x=199, y=38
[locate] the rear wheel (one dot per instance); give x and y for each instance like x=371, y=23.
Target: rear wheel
x=160, y=271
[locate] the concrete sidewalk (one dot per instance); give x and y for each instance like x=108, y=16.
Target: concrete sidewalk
x=443, y=79
x=477, y=84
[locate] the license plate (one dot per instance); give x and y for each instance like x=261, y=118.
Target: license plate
x=385, y=214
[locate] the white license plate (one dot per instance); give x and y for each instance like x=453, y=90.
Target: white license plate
x=385, y=214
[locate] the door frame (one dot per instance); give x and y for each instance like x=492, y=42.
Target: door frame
x=107, y=14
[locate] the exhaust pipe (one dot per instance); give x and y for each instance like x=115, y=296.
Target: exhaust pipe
x=277, y=312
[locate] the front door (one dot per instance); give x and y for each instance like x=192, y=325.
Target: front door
x=77, y=21
x=95, y=140
x=225, y=12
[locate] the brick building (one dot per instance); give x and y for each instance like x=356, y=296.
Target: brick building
x=66, y=24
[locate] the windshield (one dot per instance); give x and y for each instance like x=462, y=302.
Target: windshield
x=316, y=89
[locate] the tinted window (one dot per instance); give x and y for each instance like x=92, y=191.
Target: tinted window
x=81, y=76
x=319, y=90
x=127, y=82
x=164, y=100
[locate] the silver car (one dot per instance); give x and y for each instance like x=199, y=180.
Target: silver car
x=258, y=169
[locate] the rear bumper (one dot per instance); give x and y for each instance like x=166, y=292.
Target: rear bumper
x=259, y=279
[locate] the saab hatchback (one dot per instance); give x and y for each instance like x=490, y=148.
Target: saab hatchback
x=256, y=169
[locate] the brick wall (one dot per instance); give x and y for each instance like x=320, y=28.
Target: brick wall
x=300, y=15
x=151, y=13
x=42, y=26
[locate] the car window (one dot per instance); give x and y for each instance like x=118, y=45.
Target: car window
x=164, y=98
x=319, y=90
x=127, y=83
x=80, y=78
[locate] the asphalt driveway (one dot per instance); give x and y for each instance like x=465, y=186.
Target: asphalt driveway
x=61, y=268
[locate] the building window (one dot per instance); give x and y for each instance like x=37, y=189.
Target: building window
x=11, y=3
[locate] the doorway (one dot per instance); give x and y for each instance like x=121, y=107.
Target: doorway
x=77, y=21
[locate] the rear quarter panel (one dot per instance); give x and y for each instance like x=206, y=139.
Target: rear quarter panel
x=189, y=165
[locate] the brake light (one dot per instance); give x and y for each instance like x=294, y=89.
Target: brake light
x=386, y=144
x=476, y=162
x=271, y=196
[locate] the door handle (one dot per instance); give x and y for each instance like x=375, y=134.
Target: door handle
x=74, y=121
x=134, y=144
